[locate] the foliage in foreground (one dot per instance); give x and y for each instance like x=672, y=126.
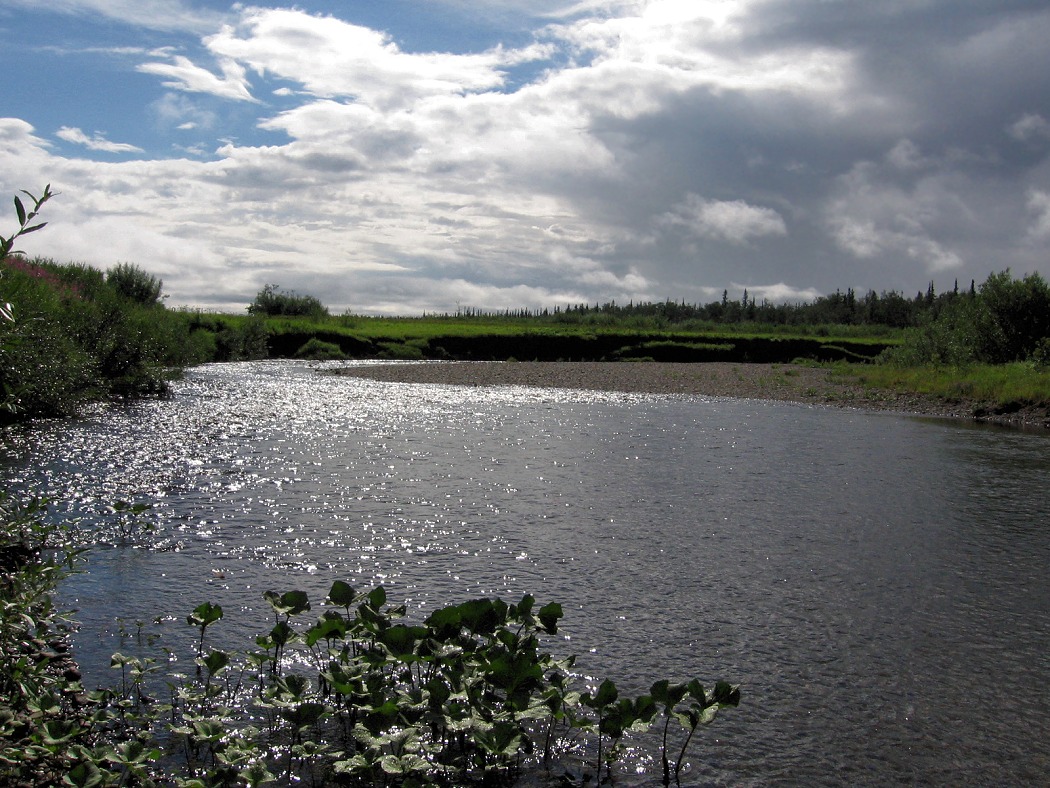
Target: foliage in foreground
x=70, y=334
x=353, y=696
x=78, y=335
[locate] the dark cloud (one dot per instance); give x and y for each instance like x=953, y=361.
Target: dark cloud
x=640, y=150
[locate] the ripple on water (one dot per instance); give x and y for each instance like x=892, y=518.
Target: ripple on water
x=870, y=580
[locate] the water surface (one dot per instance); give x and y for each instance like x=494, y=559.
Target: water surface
x=876, y=583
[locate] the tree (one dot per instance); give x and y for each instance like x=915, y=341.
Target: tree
x=1006, y=320
x=1014, y=317
x=133, y=283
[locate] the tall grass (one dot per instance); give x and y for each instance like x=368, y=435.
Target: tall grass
x=999, y=385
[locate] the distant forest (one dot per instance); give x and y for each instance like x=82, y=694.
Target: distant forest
x=891, y=309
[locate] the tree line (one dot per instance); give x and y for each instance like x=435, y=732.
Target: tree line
x=890, y=309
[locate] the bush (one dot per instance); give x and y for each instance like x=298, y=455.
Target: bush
x=268, y=302
x=131, y=282
x=1005, y=321
x=398, y=351
x=319, y=350
x=71, y=339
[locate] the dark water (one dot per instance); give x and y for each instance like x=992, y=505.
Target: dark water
x=877, y=584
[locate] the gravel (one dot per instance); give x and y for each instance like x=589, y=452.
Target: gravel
x=785, y=382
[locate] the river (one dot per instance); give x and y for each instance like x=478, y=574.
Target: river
x=877, y=584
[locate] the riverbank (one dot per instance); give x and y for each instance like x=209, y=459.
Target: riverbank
x=827, y=386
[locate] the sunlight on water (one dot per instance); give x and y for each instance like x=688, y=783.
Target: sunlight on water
x=866, y=578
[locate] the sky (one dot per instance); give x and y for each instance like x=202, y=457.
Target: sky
x=400, y=157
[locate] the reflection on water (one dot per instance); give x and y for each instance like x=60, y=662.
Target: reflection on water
x=876, y=583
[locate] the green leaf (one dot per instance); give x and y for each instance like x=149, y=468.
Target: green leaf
x=445, y=622
x=401, y=640
x=330, y=626
x=257, y=774
x=216, y=661
x=341, y=594
x=304, y=714
x=290, y=603
x=549, y=615
x=391, y=764
x=33, y=229
x=727, y=694
x=377, y=597
x=504, y=738
x=607, y=693
x=208, y=730
x=83, y=775
x=204, y=614
x=281, y=633
x=20, y=209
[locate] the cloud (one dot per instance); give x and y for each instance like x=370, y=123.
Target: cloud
x=699, y=44
x=184, y=75
x=733, y=221
x=166, y=15
x=331, y=58
x=778, y=293
x=1030, y=127
x=97, y=142
x=1039, y=206
x=178, y=111
x=637, y=149
x=873, y=216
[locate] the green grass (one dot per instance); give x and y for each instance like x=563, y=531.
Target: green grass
x=403, y=329
x=998, y=385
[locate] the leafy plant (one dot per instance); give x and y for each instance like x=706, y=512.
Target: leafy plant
x=7, y=244
x=466, y=696
x=135, y=284
x=25, y=219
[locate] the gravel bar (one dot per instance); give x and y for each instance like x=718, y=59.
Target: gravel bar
x=783, y=382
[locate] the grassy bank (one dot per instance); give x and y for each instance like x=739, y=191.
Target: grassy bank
x=986, y=389
x=541, y=339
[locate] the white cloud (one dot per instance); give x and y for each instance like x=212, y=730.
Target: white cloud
x=779, y=293
x=1030, y=127
x=1039, y=206
x=179, y=111
x=184, y=75
x=733, y=221
x=638, y=149
x=15, y=133
x=873, y=217
x=905, y=155
x=97, y=142
x=152, y=14
x=335, y=59
x=682, y=45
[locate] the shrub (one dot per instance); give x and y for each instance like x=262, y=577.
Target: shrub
x=397, y=351
x=133, y=283
x=241, y=342
x=1004, y=321
x=319, y=350
x=270, y=303
x=71, y=339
